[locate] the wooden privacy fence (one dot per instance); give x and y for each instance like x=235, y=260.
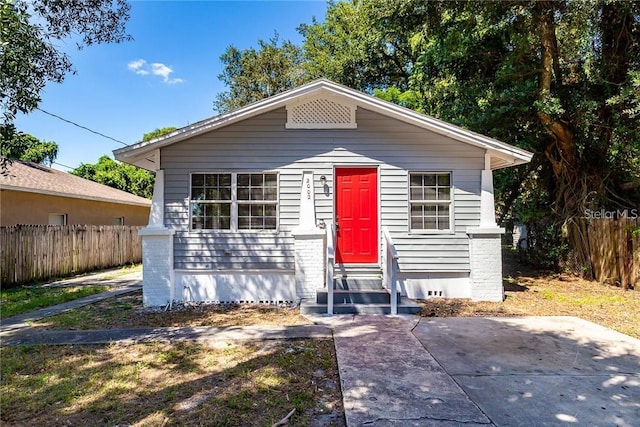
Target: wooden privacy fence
x=613, y=248
x=38, y=252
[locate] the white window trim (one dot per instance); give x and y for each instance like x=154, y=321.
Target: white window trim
x=234, y=204
x=64, y=216
x=451, y=229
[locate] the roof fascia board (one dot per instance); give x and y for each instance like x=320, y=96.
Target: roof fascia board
x=70, y=196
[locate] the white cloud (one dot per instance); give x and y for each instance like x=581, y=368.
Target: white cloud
x=164, y=71
x=136, y=66
x=140, y=66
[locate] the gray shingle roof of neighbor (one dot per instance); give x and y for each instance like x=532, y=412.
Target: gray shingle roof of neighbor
x=37, y=178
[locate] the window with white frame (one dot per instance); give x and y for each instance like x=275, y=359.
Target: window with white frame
x=257, y=201
x=57, y=219
x=430, y=201
x=234, y=201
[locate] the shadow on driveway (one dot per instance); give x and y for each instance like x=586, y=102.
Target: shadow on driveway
x=540, y=371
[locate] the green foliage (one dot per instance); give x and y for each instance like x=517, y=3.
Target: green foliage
x=157, y=133
x=364, y=44
x=481, y=65
x=30, y=32
x=22, y=146
x=28, y=60
x=253, y=74
x=118, y=175
x=123, y=176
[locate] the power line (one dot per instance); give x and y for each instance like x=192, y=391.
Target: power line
x=81, y=127
x=65, y=166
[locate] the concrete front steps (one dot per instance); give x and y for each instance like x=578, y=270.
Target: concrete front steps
x=363, y=295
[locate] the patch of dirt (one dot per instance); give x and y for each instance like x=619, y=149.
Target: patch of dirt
x=529, y=292
x=126, y=311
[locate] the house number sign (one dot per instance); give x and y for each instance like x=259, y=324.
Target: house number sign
x=307, y=205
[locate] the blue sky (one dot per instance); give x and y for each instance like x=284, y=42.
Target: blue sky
x=166, y=76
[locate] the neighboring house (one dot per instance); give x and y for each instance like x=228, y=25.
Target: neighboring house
x=241, y=200
x=31, y=193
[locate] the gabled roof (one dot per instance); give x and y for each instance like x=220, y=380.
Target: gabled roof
x=502, y=154
x=36, y=178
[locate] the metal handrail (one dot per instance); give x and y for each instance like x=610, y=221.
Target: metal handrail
x=330, y=259
x=389, y=270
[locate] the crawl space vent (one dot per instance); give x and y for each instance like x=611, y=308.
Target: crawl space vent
x=321, y=113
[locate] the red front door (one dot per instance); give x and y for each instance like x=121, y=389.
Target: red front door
x=356, y=215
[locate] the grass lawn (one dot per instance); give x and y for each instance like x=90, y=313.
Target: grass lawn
x=247, y=384
x=14, y=301
x=21, y=299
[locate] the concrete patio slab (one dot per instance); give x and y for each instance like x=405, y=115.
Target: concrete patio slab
x=540, y=371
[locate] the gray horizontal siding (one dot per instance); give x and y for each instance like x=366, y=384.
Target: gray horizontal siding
x=263, y=144
x=233, y=250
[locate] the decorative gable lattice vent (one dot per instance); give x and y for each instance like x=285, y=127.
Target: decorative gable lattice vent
x=321, y=113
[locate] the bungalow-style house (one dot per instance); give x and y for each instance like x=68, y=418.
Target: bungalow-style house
x=324, y=195
x=31, y=193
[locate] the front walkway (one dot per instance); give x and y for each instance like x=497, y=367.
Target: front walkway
x=389, y=379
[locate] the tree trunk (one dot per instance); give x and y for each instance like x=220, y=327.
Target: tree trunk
x=561, y=150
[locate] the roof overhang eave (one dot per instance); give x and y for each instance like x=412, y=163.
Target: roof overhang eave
x=138, y=154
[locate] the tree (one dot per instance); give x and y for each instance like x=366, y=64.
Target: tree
x=157, y=133
x=30, y=31
x=122, y=176
x=254, y=74
x=28, y=148
x=118, y=175
x=557, y=78
x=364, y=44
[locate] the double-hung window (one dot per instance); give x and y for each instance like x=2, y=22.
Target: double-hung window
x=234, y=201
x=211, y=201
x=257, y=201
x=430, y=201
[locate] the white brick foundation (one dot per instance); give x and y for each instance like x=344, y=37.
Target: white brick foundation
x=435, y=285
x=486, y=264
x=157, y=266
x=309, y=252
x=261, y=286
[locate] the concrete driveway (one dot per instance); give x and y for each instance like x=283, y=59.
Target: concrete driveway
x=539, y=371
x=528, y=371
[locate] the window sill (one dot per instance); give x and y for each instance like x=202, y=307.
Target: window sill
x=227, y=232
x=431, y=232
